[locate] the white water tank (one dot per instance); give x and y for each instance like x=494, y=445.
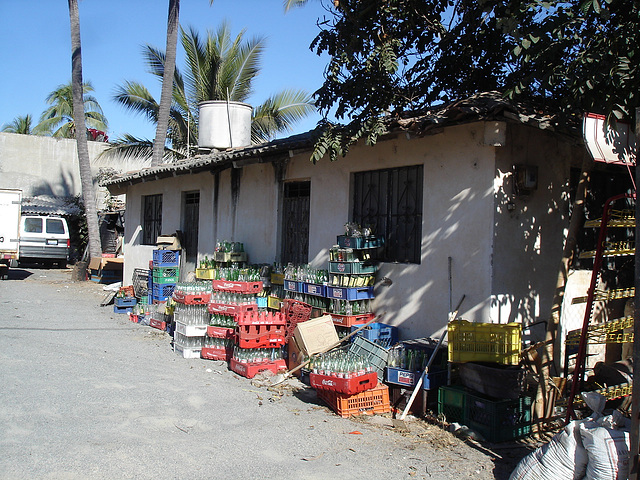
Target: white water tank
x=224, y=124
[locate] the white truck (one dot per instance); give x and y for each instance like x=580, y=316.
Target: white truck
x=10, y=208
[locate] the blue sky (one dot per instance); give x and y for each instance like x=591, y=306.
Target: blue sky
x=36, y=50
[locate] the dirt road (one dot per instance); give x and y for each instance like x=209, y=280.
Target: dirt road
x=86, y=394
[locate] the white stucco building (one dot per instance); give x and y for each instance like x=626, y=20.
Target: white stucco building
x=476, y=189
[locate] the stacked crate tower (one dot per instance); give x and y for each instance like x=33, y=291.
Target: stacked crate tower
x=191, y=318
x=248, y=337
x=165, y=270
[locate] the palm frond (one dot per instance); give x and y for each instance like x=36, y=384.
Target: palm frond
x=279, y=113
x=136, y=98
x=20, y=124
x=130, y=147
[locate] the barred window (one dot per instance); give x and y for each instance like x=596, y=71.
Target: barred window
x=390, y=201
x=151, y=218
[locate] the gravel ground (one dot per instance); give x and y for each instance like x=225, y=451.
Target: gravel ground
x=86, y=394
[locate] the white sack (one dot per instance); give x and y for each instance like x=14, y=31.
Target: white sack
x=563, y=458
x=607, y=448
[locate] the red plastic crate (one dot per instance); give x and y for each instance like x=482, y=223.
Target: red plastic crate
x=191, y=299
x=260, y=336
x=230, y=309
x=160, y=325
x=369, y=402
x=348, y=386
x=220, y=332
x=237, y=287
x=350, y=320
x=295, y=312
x=261, y=318
x=250, y=370
x=212, y=353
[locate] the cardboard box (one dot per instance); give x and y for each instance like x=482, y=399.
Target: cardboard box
x=99, y=263
x=315, y=335
x=168, y=242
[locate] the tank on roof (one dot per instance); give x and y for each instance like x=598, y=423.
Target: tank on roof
x=224, y=124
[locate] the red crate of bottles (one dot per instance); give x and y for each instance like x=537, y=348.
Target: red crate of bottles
x=221, y=332
x=187, y=299
x=369, y=402
x=348, y=386
x=250, y=370
x=261, y=318
x=350, y=320
x=232, y=309
x=159, y=324
x=216, y=353
x=237, y=287
x=260, y=336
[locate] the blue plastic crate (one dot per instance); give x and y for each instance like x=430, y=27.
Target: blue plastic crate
x=314, y=289
x=350, y=293
x=162, y=291
x=293, y=286
x=407, y=378
x=166, y=258
x=125, y=301
x=386, y=335
x=117, y=309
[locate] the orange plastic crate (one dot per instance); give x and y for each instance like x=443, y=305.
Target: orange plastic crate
x=369, y=402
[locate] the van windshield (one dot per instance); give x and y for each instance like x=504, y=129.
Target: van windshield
x=33, y=225
x=54, y=225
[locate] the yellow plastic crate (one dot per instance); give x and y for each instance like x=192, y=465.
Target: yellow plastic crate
x=205, y=273
x=485, y=342
x=274, y=302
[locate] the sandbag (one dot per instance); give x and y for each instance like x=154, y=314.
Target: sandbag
x=607, y=447
x=563, y=458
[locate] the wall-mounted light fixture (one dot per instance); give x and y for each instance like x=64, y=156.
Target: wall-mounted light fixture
x=525, y=179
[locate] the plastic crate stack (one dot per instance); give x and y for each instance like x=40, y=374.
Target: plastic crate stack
x=345, y=290
x=241, y=332
x=490, y=396
x=406, y=364
x=191, y=317
x=165, y=271
x=349, y=379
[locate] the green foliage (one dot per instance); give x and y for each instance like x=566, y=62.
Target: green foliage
x=20, y=124
x=57, y=120
x=389, y=56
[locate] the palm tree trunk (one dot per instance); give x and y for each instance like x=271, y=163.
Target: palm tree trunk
x=86, y=179
x=167, y=83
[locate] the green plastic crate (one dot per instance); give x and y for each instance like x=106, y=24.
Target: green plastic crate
x=452, y=404
x=164, y=275
x=496, y=420
x=375, y=354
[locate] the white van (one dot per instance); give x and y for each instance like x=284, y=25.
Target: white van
x=44, y=239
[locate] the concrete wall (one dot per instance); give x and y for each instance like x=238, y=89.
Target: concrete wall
x=530, y=229
x=42, y=165
x=502, y=261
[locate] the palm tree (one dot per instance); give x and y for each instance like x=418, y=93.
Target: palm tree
x=21, y=124
x=78, y=105
x=164, y=109
x=219, y=67
x=58, y=119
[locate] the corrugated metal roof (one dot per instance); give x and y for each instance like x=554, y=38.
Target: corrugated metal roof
x=482, y=106
x=49, y=205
